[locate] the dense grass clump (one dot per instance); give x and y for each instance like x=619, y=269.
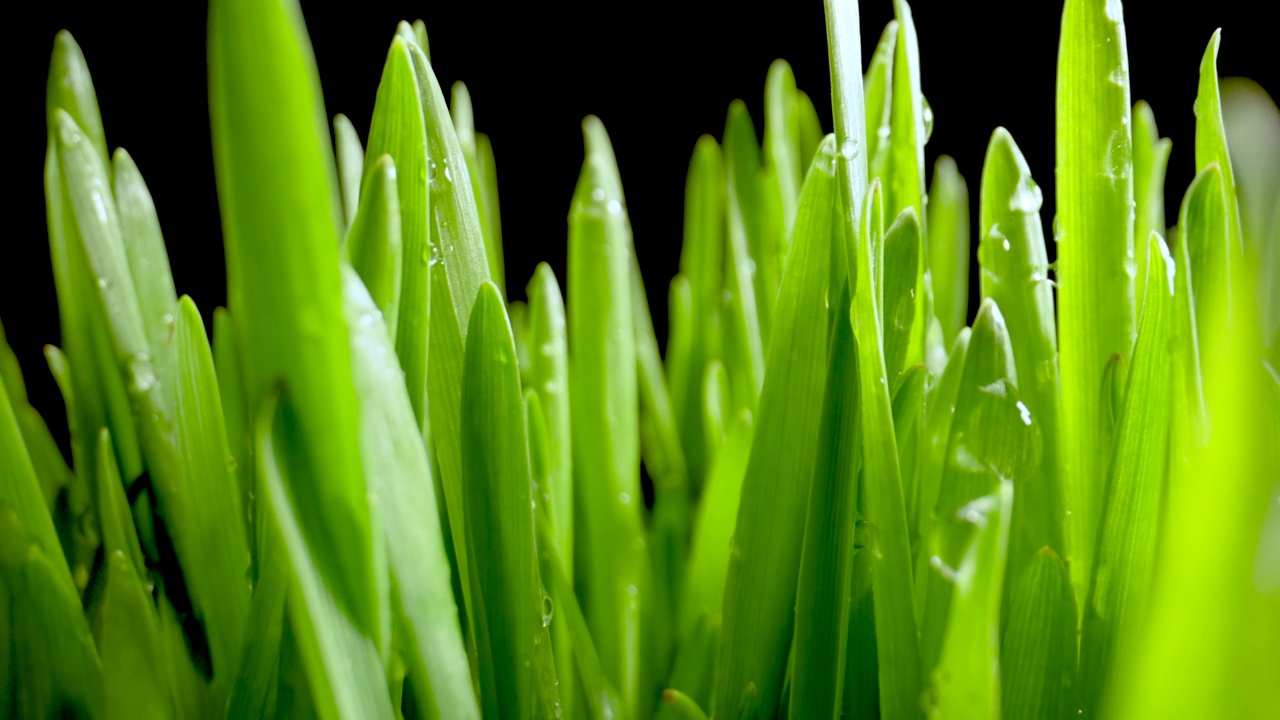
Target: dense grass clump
x=385, y=490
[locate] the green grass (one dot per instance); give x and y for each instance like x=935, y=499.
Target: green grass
x=388, y=490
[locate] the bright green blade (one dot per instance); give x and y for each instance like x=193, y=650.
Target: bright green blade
x=393, y=453
x=1211, y=139
x=746, y=196
x=1150, y=159
x=993, y=438
x=1094, y=236
x=948, y=251
x=743, y=323
x=909, y=416
x=702, y=263
x=498, y=503
x=278, y=196
x=895, y=622
x=148, y=261
x=809, y=126
x=1217, y=585
x=878, y=91
x=702, y=593
x=341, y=665
x=764, y=559
x=826, y=562
x=940, y=409
x=967, y=680
x=1120, y=590
x=902, y=251
x=549, y=378
x=609, y=551
x=70, y=87
x=135, y=678
x=1202, y=224
x=465, y=127
x=375, y=242
x=1015, y=274
x=350, y=157
x=1204, y=232
x=1038, y=655
x=457, y=239
x=398, y=129
x=487, y=174
x=781, y=156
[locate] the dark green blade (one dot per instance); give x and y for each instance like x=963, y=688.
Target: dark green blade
x=374, y=241
x=1094, y=235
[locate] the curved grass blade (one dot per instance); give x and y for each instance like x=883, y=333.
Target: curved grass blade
x=278, y=196
x=396, y=462
x=487, y=172
x=549, y=378
x=940, y=407
x=374, y=241
x=148, y=261
x=781, y=156
x=823, y=593
x=340, y=662
x=1205, y=233
x=1211, y=140
x=905, y=186
x=682, y=706
x=1207, y=583
x=350, y=156
x=809, y=127
x=1201, y=224
x=468, y=141
x=1122, y=576
x=948, y=247
x=1038, y=655
x=1150, y=159
x=1014, y=272
x=899, y=296
x=909, y=415
x=1094, y=235
x=764, y=559
x=498, y=505
x=745, y=324
x=70, y=88
x=456, y=236
x=967, y=681
x=43, y=451
x=844, y=51
x=895, y=622
x=609, y=549
x=398, y=129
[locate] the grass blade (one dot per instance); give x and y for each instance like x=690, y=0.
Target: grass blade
x=826, y=561
x=350, y=156
x=844, y=44
x=895, y=622
x=1204, y=232
x=1094, y=235
x=1038, y=656
x=394, y=456
x=398, y=129
x=940, y=409
x=781, y=156
x=1150, y=159
x=374, y=241
x=878, y=85
x=902, y=251
x=743, y=324
x=1122, y=576
x=506, y=588
x=948, y=251
x=1014, y=274
x=1211, y=139
x=464, y=126
x=277, y=193
x=609, y=549
x=764, y=559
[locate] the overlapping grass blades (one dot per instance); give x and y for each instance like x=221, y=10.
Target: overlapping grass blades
x=388, y=490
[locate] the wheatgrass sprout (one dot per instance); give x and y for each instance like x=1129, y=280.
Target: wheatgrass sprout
x=389, y=489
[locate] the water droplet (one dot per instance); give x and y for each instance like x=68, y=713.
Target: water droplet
x=141, y=374
x=167, y=319
x=926, y=113
x=448, y=176
x=849, y=149
x=559, y=710
x=1131, y=267
x=103, y=283
x=632, y=591
x=598, y=194
x=1027, y=198
x=1006, y=245
x=70, y=135
x=624, y=498
x=614, y=207
x=1024, y=413
x=882, y=132
x=548, y=609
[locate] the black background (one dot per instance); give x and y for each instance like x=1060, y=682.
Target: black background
x=658, y=74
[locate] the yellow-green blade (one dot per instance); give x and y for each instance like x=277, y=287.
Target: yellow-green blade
x=1211, y=139
x=1095, y=263
x=1150, y=160
x=278, y=195
x=764, y=558
x=948, y=251
x=1120, y=589
x=902, y=251
x=878, y=91
x=350, y=157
